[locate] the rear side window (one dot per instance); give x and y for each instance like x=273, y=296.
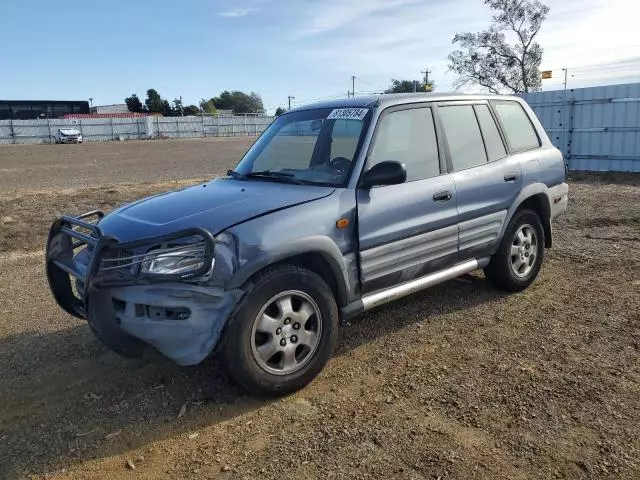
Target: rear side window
x=409, y=137
x=463, y=136
x=517, y=126
x=490, y=133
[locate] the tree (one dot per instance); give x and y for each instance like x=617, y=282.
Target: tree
x=134, y=104
x=177, y=106
x=191, y=110
x=239, y=102
x=406, y=86
x=487, y=59
x=167, y=110
x=154, y=102
x=279, y=111
x=207, y=106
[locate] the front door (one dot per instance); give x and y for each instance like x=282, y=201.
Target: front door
x=406, y=230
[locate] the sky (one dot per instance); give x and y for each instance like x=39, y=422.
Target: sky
x=308, y=49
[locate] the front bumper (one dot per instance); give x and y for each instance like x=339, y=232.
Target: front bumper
x=63, y=139
x=178, y=314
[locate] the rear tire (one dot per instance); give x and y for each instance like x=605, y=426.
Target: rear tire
x=282, y=333
x=519, y=258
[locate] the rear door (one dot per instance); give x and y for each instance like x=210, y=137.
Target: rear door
x=487, y=180
x=407, y=230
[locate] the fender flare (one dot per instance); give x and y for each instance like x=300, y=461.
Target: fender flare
x=531, y=190
x=308, y=245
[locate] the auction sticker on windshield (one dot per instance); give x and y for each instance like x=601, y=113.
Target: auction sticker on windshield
x=348, y=114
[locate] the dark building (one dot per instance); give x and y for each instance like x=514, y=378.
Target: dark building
x=33, y=109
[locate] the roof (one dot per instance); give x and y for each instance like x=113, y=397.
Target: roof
x=105, y=115
x=395, y=99
x=31, y=102
x=113, y=108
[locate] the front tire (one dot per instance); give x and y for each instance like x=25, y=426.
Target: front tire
x=282, y=333
x=519, y=258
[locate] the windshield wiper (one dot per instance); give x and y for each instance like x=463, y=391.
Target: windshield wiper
x=289, y=177
x=236, y=175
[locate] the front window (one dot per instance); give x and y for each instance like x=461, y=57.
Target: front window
x=310, y=147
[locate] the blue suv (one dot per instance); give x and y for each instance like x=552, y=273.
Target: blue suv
x=337, y=208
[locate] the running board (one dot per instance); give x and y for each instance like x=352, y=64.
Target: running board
x=375, y=299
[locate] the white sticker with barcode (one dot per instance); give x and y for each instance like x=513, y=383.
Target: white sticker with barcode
x=348, y=114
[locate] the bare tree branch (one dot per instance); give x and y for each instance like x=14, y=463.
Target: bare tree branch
x=488, y=60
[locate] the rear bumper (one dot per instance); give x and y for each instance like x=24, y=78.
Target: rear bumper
x=181, y=319
x=559, y=199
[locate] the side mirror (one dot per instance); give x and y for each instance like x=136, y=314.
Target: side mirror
x=384, y=173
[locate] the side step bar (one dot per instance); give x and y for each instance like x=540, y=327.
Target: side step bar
x=381, y=297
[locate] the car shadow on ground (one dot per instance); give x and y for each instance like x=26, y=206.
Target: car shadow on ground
x=69, y=399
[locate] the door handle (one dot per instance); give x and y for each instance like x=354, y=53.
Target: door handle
x=510, y=177
x=443, y=196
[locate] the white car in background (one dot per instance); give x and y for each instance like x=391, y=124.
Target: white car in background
x=68, y=135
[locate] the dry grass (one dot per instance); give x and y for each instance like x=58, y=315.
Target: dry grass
x=26, y=215
x=459, y=381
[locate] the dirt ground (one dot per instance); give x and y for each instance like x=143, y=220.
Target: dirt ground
x=99, y=163
x=459, y=381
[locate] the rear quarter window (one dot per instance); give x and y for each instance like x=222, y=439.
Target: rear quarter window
x=516, y=125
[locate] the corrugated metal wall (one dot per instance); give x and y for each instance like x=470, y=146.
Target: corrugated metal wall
x=102, y=129
x=596, y=128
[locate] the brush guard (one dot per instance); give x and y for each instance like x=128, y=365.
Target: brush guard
x=111, y=263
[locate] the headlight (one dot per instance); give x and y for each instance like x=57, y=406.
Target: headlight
x=175, y=260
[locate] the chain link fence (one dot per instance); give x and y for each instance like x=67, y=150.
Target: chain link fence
x=134, y=128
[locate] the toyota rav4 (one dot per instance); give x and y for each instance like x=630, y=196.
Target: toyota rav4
x=337, y=208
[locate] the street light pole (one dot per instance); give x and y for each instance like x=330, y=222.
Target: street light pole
x=90, y=104
x=290, y=98
x=353, y=85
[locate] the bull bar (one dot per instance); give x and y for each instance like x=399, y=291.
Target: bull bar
x=111, y=263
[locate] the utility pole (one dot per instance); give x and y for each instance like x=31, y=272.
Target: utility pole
x=290, y=98
x=353, y=85
x=565, y=102
x=426, y=76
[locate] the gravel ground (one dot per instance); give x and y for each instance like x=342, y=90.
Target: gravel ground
x=459, y=381
x=98, y=163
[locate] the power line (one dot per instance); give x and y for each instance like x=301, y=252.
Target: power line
x=622, y=63
x=320, y=99
x=377, y=87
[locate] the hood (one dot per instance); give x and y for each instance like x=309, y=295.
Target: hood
x=69, y=131
x=215, y=206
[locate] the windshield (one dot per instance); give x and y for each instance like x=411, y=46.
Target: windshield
x=311, y=146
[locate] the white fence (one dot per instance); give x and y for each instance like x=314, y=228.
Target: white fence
x=134, y=128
